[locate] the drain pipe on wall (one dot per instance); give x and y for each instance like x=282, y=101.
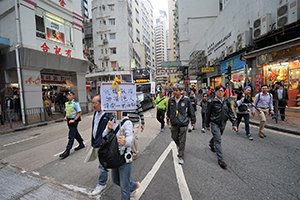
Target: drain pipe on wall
x=20, y=80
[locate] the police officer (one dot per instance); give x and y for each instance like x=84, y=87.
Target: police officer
x=73, y=113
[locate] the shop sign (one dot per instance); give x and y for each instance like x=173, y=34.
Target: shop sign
x=141, y=80
x=51, y=48
x=166, y=71
x=234, y=62
x=236, y=78
x=132, y=63
x=54, y=79
x=207, y=69
x=257, y=82
x=152, y=88
x=171, y=64
x=186, y=81
x=32, y=80
x=278, y=55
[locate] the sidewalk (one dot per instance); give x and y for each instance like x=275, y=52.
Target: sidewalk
x=291, y=125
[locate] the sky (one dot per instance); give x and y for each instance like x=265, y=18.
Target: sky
x=159, y=5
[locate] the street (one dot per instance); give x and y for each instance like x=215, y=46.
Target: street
x=260, y=169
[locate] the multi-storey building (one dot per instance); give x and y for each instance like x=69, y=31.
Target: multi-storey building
x=171, y=40
x=43, y=56
x=161, y=38
x=113, y=40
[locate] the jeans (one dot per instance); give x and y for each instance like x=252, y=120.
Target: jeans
x=217, y=131
x=73, y=134
x=246, y=118
x=179, y=137
x=103, y=175
x=281, y=108
x=160, y=116
x=121, y=177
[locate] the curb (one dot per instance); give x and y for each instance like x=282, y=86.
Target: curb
x=25, y=127
x=275, y=128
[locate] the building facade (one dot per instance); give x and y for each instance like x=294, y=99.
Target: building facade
x=44, y=56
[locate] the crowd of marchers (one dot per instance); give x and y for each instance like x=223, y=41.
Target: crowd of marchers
x=179, y=111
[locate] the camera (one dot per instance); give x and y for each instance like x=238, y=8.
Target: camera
x=128, y=157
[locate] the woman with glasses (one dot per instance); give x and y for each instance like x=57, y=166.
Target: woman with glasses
x=203, y=104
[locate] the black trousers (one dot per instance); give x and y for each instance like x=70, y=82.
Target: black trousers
x=160, y=116
x=281, y=109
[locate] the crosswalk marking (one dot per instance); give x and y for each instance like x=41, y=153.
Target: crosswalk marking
x=183, y=188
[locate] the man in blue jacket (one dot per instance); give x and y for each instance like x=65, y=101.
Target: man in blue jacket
x=99, y=124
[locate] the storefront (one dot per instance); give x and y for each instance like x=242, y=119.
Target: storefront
x=215, y=81
x=280, y=64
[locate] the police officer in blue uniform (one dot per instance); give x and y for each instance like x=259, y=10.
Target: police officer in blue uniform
x=73, y=113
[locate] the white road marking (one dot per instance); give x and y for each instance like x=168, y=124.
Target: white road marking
x=184, y=190
x=17, y=142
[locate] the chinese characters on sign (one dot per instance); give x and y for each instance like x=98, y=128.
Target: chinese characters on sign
x=257, y=82
x=57, y=50
x=54, y=79
x=166, y=71
x=62, y=3
x=32, y=80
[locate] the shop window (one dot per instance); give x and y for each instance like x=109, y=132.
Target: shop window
x=53, y=27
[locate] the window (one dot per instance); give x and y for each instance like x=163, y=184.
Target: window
x=111, y=21
x=113, y=64
x=105, y=50
x=101, y=37
x=137, y=17
x=137, y=35
x=137, y=2
x=106, y=64
x=105, y=36
x=102, y=51
x=103, y=64
x=112, y=36
x=111, y=7
x=53, y=27
x=113, y=50
x=104, y=22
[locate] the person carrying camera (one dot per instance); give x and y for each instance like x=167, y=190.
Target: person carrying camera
x=244, y=102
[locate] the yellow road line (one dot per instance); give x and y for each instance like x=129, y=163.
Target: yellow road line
x=281, y=133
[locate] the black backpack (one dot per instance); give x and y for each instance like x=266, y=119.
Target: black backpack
x=108, y=153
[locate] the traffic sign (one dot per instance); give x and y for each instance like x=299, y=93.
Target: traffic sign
x=186, y=80
x=88, y=85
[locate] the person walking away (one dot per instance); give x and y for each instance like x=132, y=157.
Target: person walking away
x=99, y=123
x=121, y=176
x=137, y=119
x=193, y=100
x=73, y=113
x=203, y=105
x=217, y=113
x=264, y=102
x=179, y=112
x=162, y=104
x=244, y=103
x=1, y=116
x=281, y=95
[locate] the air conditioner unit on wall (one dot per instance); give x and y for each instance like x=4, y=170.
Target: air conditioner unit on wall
x=262, y=25
x=242, y=40
x=231, y=49
x=287, y=13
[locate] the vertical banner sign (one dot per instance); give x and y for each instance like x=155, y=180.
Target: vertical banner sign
x=257, y=82
x=152, y=88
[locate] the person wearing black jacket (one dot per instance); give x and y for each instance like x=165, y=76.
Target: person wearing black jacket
x=281, y=95
x=193, y=100
x=179, y=112
x=217, y=113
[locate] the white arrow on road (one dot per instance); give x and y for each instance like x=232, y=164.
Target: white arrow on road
x=183, y=188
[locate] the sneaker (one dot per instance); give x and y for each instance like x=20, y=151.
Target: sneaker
x=180, y=161
x=249, y=137
x=222, y=164
x=134, y=191
x=203, y=130
x=98, y=189
x=162, y=130
x=237, y=132
x=190, y=130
